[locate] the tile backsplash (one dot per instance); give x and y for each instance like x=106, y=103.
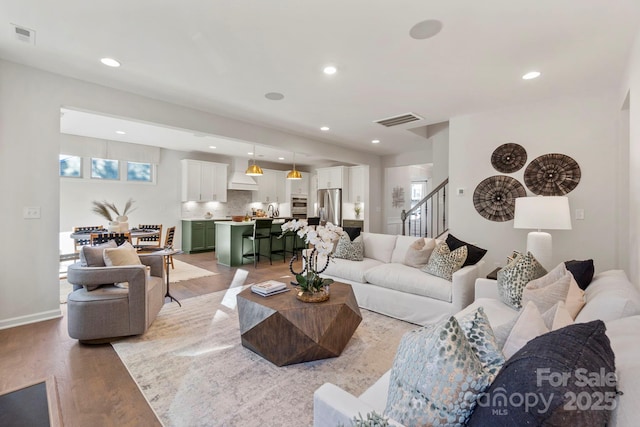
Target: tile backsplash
x=238, y=203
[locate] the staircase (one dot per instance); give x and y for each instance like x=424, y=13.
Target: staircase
x=428, y=218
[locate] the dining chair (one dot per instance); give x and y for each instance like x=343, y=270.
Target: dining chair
x=261, y=232
x=168, y=243
x=79, y=243
x=119, y=238
x=149, y=243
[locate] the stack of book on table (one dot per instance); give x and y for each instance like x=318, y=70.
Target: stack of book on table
x=268, y=288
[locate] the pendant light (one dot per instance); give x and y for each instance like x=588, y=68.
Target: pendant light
x=253, y=170
x=294, y=174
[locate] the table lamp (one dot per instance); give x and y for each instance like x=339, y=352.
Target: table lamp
x=542, y=213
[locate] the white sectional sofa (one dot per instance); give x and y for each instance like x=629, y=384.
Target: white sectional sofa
x=610, y=297
x=382, y=283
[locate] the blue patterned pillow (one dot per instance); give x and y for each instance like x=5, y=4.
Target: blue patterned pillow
x=480, y=335
x=514, y=277
x=436, y=377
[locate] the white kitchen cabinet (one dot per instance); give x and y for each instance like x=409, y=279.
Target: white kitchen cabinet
x=297, y=186
x=358, y=183
x=271, y=187
x=204, y=181
x=334, y=177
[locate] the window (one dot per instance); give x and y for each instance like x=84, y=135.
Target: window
x=105, y=169
x=140, y=172
x=70, y=166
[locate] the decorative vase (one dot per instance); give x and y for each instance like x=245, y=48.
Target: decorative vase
x=319, y=296
x=124, y=227
x=122, y=218
x=114, y=227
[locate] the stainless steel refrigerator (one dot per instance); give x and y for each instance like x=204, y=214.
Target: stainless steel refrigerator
x=330, y=206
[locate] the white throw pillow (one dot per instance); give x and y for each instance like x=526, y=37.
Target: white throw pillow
x=547, y=290
x=124, y=254
x=529, y=325
x=419, y=252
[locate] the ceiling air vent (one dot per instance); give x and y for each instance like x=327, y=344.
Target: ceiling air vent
x=24, y=34
x=399, y=120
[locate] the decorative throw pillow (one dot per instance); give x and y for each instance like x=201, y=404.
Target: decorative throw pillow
x=547, y=290
x=535, y=369
x=514, y=277
x=474, y=253
x=436, y=377
x=479, y=333
x=124, y=254
x=419, y=252
x=443, y=262
x=557, y=317
x=353, y=232
x=529, y=325
x=91, y=256
x=351, y=250
x=582, y=271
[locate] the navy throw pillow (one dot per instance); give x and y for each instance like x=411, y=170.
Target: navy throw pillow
x=352, y=232
x=474, y=253
x=582, y=271
x=562, y=378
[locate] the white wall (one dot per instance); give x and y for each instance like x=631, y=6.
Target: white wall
x=583, y=128
x=30, y=103
x=631, y=86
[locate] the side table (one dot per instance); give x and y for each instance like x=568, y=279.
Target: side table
x=166, y=253
x=494, y=274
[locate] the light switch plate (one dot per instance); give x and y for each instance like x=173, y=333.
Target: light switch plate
x=31, y=212
x=579, y=214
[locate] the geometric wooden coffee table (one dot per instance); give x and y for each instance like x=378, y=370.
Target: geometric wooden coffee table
x=285, y=331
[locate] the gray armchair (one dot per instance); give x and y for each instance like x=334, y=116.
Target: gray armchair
x=110, y=311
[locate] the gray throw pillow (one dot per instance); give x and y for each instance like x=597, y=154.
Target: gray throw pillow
x=92, y=256
x=514, y=277
x=443, y=262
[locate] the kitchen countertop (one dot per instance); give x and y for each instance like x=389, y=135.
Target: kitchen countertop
x=276, y=220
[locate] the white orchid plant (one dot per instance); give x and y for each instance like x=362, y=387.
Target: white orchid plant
x=322, y=238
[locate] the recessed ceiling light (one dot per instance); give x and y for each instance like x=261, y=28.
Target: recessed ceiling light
x=425, y=29
x=250, y=153
x=110, y=62
x=274, y=96
x=280, y=158
x=531, y=75
x=330, y=70
x=121, y=132
x=213, y=147
x=375, y=141
x=324, y=128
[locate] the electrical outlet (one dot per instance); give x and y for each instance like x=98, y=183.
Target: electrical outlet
x=31, y=212
x=579, y=214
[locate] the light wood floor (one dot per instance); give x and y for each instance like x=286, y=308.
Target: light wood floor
x=94, y=386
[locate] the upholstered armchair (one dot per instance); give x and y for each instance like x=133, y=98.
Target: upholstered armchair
x=102, y=308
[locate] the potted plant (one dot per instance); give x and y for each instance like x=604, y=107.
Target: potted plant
x=107, y=210
x=312, y=287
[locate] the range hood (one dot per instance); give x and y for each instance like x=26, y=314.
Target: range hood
x=237, y=179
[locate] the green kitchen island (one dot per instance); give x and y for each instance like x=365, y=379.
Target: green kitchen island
x=229, y=242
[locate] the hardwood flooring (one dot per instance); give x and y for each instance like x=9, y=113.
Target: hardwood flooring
x=94, y=387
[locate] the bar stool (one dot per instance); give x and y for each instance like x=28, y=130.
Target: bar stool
x=288, y=236
x=261, y=231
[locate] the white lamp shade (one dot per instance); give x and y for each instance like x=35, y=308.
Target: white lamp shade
x=542, y=213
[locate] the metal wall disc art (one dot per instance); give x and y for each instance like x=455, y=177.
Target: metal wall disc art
x=495, y=197
x=509, y=158
x=552, y=175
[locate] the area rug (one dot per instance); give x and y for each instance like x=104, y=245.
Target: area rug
x=193, y=370
x=182, y=271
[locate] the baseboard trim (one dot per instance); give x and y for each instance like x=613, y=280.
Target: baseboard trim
x=30, y=318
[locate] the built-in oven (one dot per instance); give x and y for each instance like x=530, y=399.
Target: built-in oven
x=299, y=206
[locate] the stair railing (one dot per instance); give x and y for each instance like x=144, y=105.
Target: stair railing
x=428, y=217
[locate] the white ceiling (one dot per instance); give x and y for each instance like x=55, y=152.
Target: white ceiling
x=223, y=56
